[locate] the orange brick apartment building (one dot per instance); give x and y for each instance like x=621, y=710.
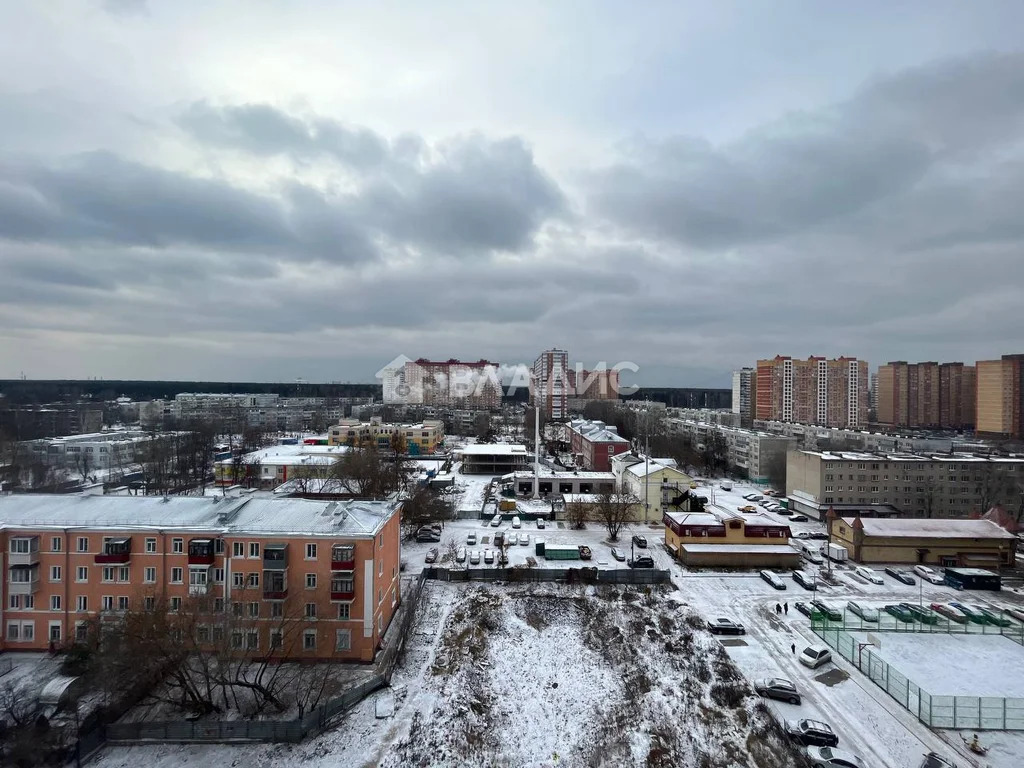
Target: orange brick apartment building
x=333, y=565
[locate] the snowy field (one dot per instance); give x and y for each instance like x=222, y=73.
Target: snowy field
x=980, y=669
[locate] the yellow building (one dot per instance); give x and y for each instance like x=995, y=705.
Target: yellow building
x=420, y=439
x=945, y=543
x=718, y=538
x=645, y=479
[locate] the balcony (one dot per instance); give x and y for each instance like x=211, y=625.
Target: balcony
x=275, y=557
x=200, y=552
x=343, y=589
x=343, y=558
x=275, y=587
x=23, y=579
x=115, y=551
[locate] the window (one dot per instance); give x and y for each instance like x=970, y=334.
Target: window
x=218, y=547
x=149, y=575
x=202, y=633
x=309, y=640
x=56, y=544
x=254, y=579
x=149, y=603
x=277, y=610
x=28, y=631
x=109, y=572
x=254, y=610
x=238, y=580
x=197, y=577
x=122, y=574
x=218, y=575
x=30, y=602
x=311, y=551
x=108, y=602
x=380, y=541
x=175, y=603
x=237, y=549
x=380, y=597
x=151, y=545
x=310, y=610
x=276, y=638
x=218, y=605
x=20, y=546
x=236, y=639
x=14, y=602
x=177, y=546
x=13, y=630
x=81, y=632
x=236, y=610
x=82, y=603
x=20, y=575
x=122, y=603
x=177, y=575
x=54, y=602
x=344, y=610
x=310, y=581
x=252, y=639
x=342, y=640
x=83, y=543
x=55, y=573
x=254, y=549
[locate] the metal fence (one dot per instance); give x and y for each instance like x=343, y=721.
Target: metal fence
x=579, y=575
x=969, y=712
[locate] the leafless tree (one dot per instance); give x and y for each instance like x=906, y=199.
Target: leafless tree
x=576, y=515
x=422, y=507
x=614, y=510
x=992, y=485
x=365, y=472
x=451, y=551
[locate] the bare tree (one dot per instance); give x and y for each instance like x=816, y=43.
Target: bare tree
x=83, y=464
x=422, y=507
x=614, y=510
x=992, y=485
x=576, y=515
x=451, y=551
x=365, y=472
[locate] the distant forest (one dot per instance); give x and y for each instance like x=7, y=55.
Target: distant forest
x=26, y=392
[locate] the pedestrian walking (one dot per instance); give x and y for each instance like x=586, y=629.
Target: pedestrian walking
x=792, y=647
x=786, y=607
x=778, y=608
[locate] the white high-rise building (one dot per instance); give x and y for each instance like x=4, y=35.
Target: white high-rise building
x=744, y=387
x=550, y=383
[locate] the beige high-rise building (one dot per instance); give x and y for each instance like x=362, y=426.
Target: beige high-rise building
x=925, y=394
x=1000, y=397
x=956, y=395
x=832, y=393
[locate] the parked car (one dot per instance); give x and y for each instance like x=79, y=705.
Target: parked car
x=924, y=615
x=812, y=733
x=524, y=539
x=804, y=608
x=726, y=486
x=640, y=541
x=868, y=573
x=747, y=508
x=928, y=574
x=488, y=556
x=786, y=512
x=750, y=496
x=585, y=553
x=821, y=535
x=511, y=538
x=900, y=575
x=803, y=535
x=778, y=688
x=642, y=561
x=774, y=579
x=540, y=523
x=722, y=626
x=814, y=656
x=813, y=555
x=431, y=556
x=495, y=521
x=828, y=757
x=992, y=617
x=618, y=554
x=516, y=522
x=827, y=610
x=972, y=615
x=950, y=613
x=460, y=556
x=865, y=614
x=1016, y=614
x=428, y=534
x=805, y=580
x=797, y=518
x=471, y=538
x=935, y=760
x=900, y=613
x=474, y=557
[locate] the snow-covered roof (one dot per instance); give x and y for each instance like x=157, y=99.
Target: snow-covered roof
x=215, y=515
x=644, y=468
x=766, y=549
x=930, y=529
x=286, y=455
x=596, y=431
x=694, y=518
x=492, y=449
x=567, y=474
x=592, y=498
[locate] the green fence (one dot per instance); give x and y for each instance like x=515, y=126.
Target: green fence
x=967, y=712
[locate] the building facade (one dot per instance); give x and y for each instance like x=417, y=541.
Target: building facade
x=644, y=478
x=317, y=580
x=453, y=383
x=917, y=485
x=420, y=439
x=744, y=395
x=757, y=455
x=549, y=383
x=593, y=444
x=925, y=394
x=715, y=539
x=814, y=391
x=1000, y=397
x=942, y=543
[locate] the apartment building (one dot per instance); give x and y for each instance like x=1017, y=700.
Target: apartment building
x=420, y=439
x=953, y=485
x=813, y=391
x=549, y=383
x=1000, y=397
x=32, y=422
x=759, y=456
x=925, y=394
x=744, y=395
x=453, y=383
x=319, y=580
x=95, y=451
x=593, y=444
x=584, y=385
x=268, y=468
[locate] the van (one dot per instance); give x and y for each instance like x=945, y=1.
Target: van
x=814, y=656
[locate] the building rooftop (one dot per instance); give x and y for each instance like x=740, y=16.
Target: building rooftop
x=492, y=449
x=760, y=549
x=291, y=455
x=212, y=514
x=929, y=528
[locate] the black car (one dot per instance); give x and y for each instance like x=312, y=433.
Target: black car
x=812, y=733
x=778, y=688
x=804, y=608
x=725, y=627
x=799, y=518
x=900, y=575
x=643, y=561
x=935, y=760
x=805, y=580
x=830, y=613
x=640, y=542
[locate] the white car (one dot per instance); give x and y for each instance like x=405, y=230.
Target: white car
x=461, y=555
x=471, y=538
x=830, y=757
x=474, y=557
x=524, y=540
x=813, y=555
x=511, y=538
x=868, y=573
x=928, y=574
x=516, y=523
x=814, y=656
x=618, y=554
x=488, y=556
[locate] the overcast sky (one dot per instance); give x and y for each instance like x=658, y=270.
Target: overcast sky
x=261, y=190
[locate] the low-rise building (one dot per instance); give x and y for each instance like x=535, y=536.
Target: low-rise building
x=723, y=539
x=644, y=477
x=492, y=458
x=949, y=543
x=553, y=483
x=593, y=444
x=420, y=439
x=319, y=580
x=268, y=468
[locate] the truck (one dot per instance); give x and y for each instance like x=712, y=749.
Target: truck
x=562, y=552
x=836, y=552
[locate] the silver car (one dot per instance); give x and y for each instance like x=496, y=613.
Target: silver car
x=618, y=554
